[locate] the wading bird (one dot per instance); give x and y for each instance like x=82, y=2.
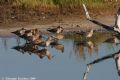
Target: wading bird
x=114, y=40
x=59, y=29
x=88, y=34
x=19, y=32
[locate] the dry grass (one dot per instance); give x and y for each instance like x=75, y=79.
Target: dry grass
x=24, y=10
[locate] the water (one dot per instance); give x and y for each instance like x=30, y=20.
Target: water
x=69, y=65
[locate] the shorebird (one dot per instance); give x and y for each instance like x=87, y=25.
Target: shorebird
x=56, y=30
x=86, y=34
x=19, y=32
x=23, y=33
x=114, y=40
x=35, y=37
x=115, y=28
x=36, y=41
x=45, y=43
x=29, y=35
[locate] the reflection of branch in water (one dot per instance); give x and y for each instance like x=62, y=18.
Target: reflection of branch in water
x=116, y=56
x=86, y=72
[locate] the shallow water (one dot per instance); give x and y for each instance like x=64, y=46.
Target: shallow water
x=67, y=65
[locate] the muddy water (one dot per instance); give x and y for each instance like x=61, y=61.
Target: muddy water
x=68, y=62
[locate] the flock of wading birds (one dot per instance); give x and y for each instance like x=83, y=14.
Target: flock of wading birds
x=34, y=38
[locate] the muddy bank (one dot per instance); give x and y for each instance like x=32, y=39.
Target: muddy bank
x=70, y=23
x=72, y=19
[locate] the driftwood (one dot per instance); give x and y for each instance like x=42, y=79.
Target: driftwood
x=115, y=28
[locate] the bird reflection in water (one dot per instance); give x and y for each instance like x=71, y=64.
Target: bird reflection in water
x=34, y=41
x=115, y=56
x=44, y=52
x=33, y=49
x=29, y=48
x=87, y=34
x=55, y=44
x=80, y=46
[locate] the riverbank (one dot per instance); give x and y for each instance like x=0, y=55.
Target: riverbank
x=24, y=11
x=68, y=23
x=71, y=18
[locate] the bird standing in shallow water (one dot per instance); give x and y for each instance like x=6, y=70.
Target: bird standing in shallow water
x=86, y=34
x=90, y=34
x=19, y=32
x=114, y=40
x=56, y=30
x=35, y=36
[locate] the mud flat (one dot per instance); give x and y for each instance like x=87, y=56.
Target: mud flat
x=68, y=23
